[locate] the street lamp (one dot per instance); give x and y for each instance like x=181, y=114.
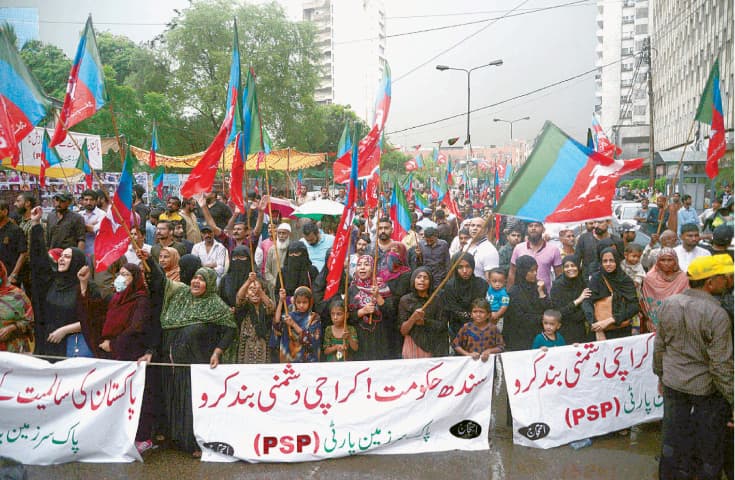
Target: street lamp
x=441, y=68
x=511, y=122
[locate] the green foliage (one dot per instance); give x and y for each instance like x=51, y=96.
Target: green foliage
x=118, y=52
x=49, y=65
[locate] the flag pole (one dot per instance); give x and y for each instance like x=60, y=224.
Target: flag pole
x=246, y=203
x=99, y=181
x=681, y=159
x=270, y=213
x=117, y=136
x=456, y=262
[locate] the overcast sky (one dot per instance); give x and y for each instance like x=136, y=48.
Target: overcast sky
x=537, y=49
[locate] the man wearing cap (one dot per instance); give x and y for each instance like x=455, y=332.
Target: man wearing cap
x=722, y=241
x=283, y=239
x=65, y=228
x=693, y=359
x=628, y=233
x=689, y=249
x=212, y=254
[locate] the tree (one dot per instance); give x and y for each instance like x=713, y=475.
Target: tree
x=281, y=53
x=118, y=52
x=49, y=65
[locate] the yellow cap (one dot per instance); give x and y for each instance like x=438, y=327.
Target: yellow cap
x=705, y=267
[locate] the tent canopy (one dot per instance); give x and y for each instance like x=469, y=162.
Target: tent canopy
x=286, y=159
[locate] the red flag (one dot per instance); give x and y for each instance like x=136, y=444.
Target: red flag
x=202, y=176
x=42, y=176
x=368, y=158
x=8, y=145
x=371, y=192
x=237, y=174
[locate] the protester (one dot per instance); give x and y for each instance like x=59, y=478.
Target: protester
x=434, y=254
x=588, y=242
x=611, y=284
x=253, y=314
x=212, y=254
x=550, y=336
x=276, y=254
x=65, y=228
x=298, y=269
x=528, y=301
x=689, y=249
x=340, y=339
x=237, y=274
x=366, y=302
x=664, y=280
x=168, y=259
x=497, y=296
x=459, y=292
x=13, y=245
x=92, y=216
x=547, y=257
x=165, y=238
x=479, y=338
x=693, y=359
x=568, y=292
x=424, y=332
x=316, y=244
x=299, y=329
x=16, y=317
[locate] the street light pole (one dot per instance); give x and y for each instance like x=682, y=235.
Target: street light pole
x=511, y=122
x=442, y=68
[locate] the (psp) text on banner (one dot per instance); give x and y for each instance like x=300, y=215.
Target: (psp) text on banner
x=580, y=391
x=77, y=410
x=301, y=412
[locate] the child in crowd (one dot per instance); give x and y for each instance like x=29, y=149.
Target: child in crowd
x=340, y=340
x=497, y=296
x=632, y=267
x=479, y=338
x=299, y=331
x=550, y=336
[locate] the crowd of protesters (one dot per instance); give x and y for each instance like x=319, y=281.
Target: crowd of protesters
x=205, y=283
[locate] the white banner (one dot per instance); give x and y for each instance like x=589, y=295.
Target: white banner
x=77, y=410
x=300, y=412
x=30, y=148
x=575, y=392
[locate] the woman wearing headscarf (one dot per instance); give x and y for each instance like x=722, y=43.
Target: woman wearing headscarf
x=567, y=295
x=424, y=331
x=198, y=327
x=56, y=293
x=168, y=259
x=366, y=302
x=397, y=277
x=253, y=314
x=298, y=270
x=236, y=275
x=528, y=301
x=664, y=280
x=16, y=317
x=612, y=281
x=460, y=291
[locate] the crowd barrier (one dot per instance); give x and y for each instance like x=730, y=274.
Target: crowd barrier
x=87, y=410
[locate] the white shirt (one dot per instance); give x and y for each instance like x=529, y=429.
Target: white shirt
x=91, y=218
x=486, y=258
x=217, y=254
x=132, y=257
x=685, y=258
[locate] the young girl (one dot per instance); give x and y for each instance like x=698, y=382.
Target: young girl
x=479, y=338
x=299, y=330
x=253, y=308
x=550, y=337
x=340, y=340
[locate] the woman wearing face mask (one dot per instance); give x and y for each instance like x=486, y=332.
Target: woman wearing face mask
x=197, y=327
x=57, y=289
x=567, y=295
x=612, y=281
x=235, y=276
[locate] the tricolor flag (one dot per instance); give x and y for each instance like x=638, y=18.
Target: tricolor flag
x=158, y=181
x=450, y=178
x=419, y=160
x=49, y=157
x=710, y=111
x=336, y=260
x=563, y=181
x=604, y=145
x=237, y=173
x=22, y=103
x=399, y=213
x=85, y=91
x=382, y=102
x=154, y=148
x=112, y=239
x=420, y=200
x=345, y=142
x=202, y=175
x=83, y=164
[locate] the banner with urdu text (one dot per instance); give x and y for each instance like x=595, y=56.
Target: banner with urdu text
x=300, y=412
x=77, y=410
x=575, y=392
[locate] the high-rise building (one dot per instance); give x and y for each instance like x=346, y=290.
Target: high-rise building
x=622, y=76
x=351, y=37
x=687, y=36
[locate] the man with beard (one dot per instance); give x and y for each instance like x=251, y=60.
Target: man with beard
x=65, y=228
x=220, y=212
x=180, y=235
x=235, y=232
x=434, y=254
x=628, y=233
x=173, y=204
x=139, y=206
x=658, y=217
x=547, y=256
x=689, y=249
x=165, y=238
x=191, y=226
x=587, y=245
x=212, y=254
x=23, y=206
x=283, y=239
x=92, y=216
x=13, y=246
x=317, y=244
x=385, y=232
x=361, y=248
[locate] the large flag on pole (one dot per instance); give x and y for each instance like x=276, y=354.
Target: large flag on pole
x=49, y=157
x=336, y=260
x=202, y=175
x=83, y=164
x=22, y=103
x=85, y=91
x=710, y=111
x=345, y=142
x=112, y=239
x=154, y=148
x=563, y=181
x=603, y=144
x=399, y=213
